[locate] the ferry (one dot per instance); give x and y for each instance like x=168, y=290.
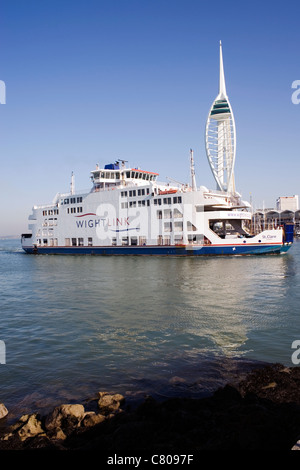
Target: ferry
x=128, y=211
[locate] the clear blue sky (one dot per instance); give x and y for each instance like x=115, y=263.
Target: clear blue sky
x=91, y=81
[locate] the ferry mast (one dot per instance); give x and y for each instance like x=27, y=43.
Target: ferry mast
x=220, y=137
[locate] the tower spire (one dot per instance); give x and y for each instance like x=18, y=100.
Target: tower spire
x=222, y=86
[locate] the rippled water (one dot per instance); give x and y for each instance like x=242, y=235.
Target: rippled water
x=73, y=325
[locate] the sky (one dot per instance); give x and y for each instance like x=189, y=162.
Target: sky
x=91, y=81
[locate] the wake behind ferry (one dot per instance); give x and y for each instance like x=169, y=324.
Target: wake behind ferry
x=128, y=211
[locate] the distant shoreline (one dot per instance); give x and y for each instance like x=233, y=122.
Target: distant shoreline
x=9, y=237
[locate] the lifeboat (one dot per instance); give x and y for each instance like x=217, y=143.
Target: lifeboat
x=168, y=191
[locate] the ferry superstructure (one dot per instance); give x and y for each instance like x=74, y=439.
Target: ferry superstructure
x=128, y=211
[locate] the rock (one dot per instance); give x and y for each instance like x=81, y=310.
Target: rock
x=57, y=435
x=109, y=403
x=64, y=417
x=270, y=385
x=176, y=380
x=3, y=411
x=31, y=427
x=91, y=419
x=296, y=446
x=27, y=426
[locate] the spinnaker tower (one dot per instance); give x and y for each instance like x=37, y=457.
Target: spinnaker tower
x=220, y=137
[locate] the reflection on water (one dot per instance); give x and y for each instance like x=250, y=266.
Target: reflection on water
x=75, y=325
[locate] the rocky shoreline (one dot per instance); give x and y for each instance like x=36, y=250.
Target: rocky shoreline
x=261, y=412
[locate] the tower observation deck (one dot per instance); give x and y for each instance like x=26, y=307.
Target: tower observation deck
x=220, y=137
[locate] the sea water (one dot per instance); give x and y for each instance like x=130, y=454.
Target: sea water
x=163, y=326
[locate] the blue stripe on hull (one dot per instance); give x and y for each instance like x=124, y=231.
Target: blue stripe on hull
x=161, y=250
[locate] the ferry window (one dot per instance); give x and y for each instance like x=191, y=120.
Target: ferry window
x=142, y=240
x=159, y=240
x=79, y=199
x=118, y=175
x=155, y=202
x=132, y=204
x=80, y=241
x=167, y=214
x=148, y=191
x=125, y=241
x=141, y=203
x=191, y=227
x=79, y=209
x=134, y=192
x=102, y=174
x=159, y=214
x=51, y=242
x=140, y=175
x=45, y=241
x=179, y=199
x=124, y=205
x=127, y=174
x=55, y=242
x=74, y=241
x=67, y=241
x=130, y=193
x=66, y=201
x=167, y=240
x=114, y=242
x=168, y=226
x=133, y=241
x=148, y=202
x=144, y=176
x=159, y=202
x=177, y=214
x=90, y=241
x=178, y=226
